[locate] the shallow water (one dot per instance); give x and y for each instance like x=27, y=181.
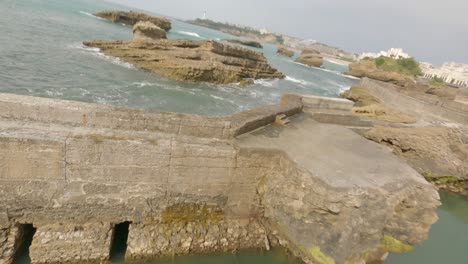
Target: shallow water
x=42, y=55
x=448, y=238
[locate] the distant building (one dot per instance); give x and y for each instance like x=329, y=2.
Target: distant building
x=391, y=53
x=264, y=31
x=452, y=73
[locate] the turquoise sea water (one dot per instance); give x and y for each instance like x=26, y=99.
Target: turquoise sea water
x=41, y=54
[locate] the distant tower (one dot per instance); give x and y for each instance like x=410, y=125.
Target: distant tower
x=204, y=15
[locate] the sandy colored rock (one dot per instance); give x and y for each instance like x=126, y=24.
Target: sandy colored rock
x=132, y=17
x=285, y=51
x=311, y=58
x=190, y=60
x=250, y=43
x=147, y=31
x=436, y=150
x=367, y=68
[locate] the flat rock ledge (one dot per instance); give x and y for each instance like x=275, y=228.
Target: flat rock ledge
x=132, y=17
x=250, y=43
x=73, y=173
x=191, y=60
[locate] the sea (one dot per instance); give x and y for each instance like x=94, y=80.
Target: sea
x=41, y=54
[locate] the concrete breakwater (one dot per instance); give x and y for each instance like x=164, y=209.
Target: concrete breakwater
x=73, y=176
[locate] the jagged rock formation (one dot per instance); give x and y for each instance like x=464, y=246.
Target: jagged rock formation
x=367, y=68
x=132, y=17
x=188, y=60
x=436, y=144
x=184, y=183
x=147, y=31
x=250, y=43
x=285, y=51
x=311, y=58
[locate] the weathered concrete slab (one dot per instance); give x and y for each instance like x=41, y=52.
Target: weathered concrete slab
x=335, y=195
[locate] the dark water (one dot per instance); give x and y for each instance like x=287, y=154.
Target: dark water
x=448, y=238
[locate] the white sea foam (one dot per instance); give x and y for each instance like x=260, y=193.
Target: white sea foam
x=264, y=82
x=294, y=80
x=193, y=34
x=222, y=99
x=90, y=15
x=97, y=53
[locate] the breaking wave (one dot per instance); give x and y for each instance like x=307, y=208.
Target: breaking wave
x=90, y=15
x=97, y=53
x=294, y=80
x=193, y=34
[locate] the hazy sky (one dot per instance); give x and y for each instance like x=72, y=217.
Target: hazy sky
x=430, y=30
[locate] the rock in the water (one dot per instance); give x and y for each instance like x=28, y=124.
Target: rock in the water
x=311, y=58
x=367, y=68
x=190, y=60
x=285, y=51
x=250, y=43
x=147, y=31
x=132, y=17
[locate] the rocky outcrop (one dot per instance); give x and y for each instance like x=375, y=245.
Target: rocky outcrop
x=147, y=31
x=188, y=60
x=132, y=17
x=433, y=150
x=368, y=68
x=285, y=51
x=369, y=106
x=311, y=58
x=250, y=43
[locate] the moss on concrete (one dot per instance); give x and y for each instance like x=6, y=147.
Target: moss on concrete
x=320, y=257
x=185, y=213
x=391, y=244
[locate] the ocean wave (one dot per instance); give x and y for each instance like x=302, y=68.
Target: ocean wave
x=222, y=99
x=188, y=33
x=294, y=80
x=90, y=15
x=97, y=53
x=265, y=82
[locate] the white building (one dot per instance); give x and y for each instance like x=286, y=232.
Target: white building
x=451, y=72
x=391, y=53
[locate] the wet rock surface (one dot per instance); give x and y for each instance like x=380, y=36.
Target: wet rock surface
x=250, y=43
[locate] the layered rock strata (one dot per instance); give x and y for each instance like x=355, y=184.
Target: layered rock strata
x=132, y=17
x=188, y=60
x=250, y=43
x=185, y=184
x=310, y=57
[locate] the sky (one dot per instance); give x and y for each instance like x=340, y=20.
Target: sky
x=429, y=30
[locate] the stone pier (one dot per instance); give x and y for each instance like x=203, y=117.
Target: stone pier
x=71, y=173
